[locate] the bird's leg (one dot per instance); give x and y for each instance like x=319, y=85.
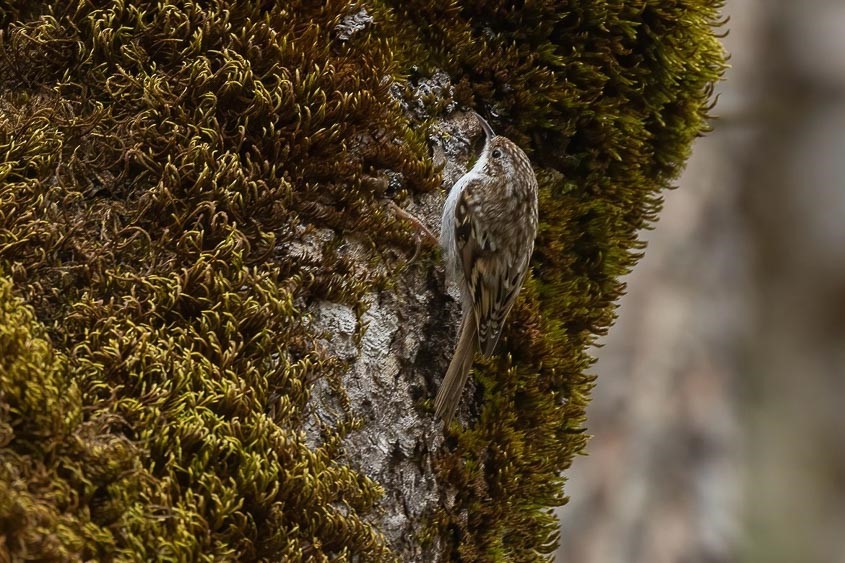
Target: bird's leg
x=423, y=233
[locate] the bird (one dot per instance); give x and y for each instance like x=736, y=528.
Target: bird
x=487, y=235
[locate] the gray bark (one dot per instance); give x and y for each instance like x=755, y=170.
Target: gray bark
x=397, y=352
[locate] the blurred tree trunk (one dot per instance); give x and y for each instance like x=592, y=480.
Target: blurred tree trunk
x=795, y=207
x=717, y=415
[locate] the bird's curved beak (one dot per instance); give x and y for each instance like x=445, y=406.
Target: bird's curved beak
x=488, y=131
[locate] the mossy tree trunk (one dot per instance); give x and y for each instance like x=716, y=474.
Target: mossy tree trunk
x=218, y=341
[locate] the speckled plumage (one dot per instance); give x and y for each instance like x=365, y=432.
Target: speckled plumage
x=487, y=233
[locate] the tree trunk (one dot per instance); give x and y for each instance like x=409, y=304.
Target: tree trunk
x=222, y=340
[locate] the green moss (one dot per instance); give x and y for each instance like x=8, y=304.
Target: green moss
x=159, y=161
x=53, y=457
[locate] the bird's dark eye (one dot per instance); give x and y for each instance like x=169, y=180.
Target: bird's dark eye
x=497, y=153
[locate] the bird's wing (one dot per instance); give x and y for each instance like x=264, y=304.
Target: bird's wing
x=493, y=277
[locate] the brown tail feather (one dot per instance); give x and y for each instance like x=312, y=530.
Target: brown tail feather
x=456, y=376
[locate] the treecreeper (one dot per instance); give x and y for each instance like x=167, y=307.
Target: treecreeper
x=487, y=234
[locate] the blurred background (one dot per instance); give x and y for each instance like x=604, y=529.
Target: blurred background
x=718, y=419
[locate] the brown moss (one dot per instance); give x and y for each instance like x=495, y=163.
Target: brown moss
x=157, y=166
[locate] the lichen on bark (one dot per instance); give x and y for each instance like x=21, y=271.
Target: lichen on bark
x=234, y=342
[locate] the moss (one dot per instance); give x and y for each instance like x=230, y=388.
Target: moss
x=53, y=457
x=161, y=160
